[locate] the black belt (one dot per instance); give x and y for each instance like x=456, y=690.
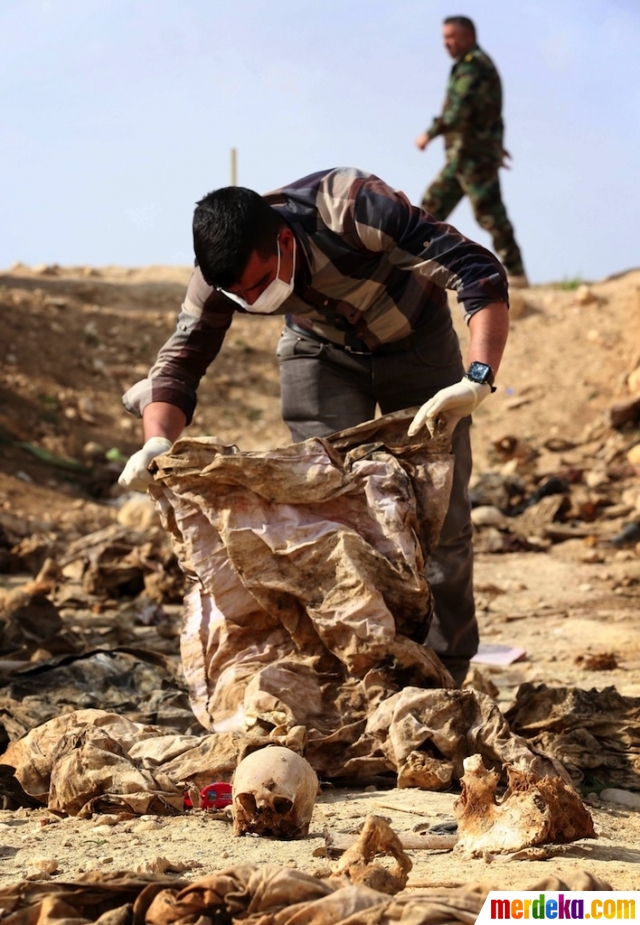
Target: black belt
x=394, y=346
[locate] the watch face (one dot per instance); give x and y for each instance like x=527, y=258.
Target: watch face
x=480, y=372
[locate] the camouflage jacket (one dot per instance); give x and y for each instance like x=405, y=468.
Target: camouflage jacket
x=471, y=119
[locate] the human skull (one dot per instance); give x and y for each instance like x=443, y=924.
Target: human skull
x=274, y=792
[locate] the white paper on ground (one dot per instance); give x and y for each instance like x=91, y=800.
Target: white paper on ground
x=494, y=653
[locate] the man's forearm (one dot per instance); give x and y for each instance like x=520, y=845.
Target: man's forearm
x=488, y=330
x=160, y=419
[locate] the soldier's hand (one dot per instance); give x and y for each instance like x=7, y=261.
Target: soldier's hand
x=422, y=141
x=442, y=412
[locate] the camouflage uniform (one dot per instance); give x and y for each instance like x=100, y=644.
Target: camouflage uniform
x=471, y=123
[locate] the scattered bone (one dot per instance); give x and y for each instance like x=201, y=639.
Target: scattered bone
x=533, y=811
x=376, y=838
x=336, y=843
x=274, y=792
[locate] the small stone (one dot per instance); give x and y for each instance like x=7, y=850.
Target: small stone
x=146, y=827
x=592, y=557
x=584, y=295
x=621, y=797
x=486, y=515
x=105, y=819
x=34, y=873
x=634, y=455
x=633, y=381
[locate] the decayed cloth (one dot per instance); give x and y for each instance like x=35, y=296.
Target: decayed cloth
x=92, y=761
x=595, y=734
x=271, y=895
x=308, y=562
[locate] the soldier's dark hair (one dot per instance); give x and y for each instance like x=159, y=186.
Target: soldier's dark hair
x=228, y=225
x=463, y=21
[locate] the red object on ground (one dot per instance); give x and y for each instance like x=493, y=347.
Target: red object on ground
x=213, y=796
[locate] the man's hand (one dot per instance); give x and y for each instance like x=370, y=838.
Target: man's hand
x=442, y=412
x=422, y=141
x=135, y=474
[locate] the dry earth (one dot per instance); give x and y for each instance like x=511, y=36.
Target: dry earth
x=73, y=339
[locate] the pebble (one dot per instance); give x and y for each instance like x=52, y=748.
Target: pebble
x=34, y=873
x=48, y=865
x=621, y=797
x=584, y=295
x=145, y=826
x=633, y=381
x=486, y=515
x=105, y=819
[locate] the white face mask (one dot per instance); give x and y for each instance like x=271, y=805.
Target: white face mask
x=277, y=292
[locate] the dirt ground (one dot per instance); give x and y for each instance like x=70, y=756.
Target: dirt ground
x=73, y=339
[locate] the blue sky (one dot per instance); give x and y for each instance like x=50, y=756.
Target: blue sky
x=117, y=115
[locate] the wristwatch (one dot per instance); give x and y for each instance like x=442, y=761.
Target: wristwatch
x=482, y=373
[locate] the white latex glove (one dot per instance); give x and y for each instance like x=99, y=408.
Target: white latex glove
x=135, y=474
x=443, y=411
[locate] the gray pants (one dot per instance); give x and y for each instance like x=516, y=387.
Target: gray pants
x=325, y=389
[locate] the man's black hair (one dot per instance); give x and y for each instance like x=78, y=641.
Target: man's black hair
x=463, y=21
x=228, y=225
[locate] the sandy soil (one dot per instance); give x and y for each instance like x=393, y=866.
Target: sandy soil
x=75, y=338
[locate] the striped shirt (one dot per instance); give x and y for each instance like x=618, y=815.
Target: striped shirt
x=370, y=269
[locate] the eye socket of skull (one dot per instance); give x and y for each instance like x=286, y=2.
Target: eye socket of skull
x=248, y=802
x=282, y=806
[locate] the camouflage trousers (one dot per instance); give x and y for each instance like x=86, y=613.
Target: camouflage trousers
x=481, y=183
